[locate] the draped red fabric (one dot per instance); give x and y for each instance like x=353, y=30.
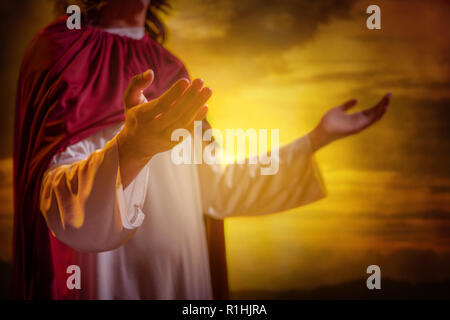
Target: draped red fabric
x=71, y=86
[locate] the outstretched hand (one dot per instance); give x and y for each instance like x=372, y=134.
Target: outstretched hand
x=149, y=124
x=337, y=123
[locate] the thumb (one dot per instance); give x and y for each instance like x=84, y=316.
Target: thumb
x=133, y=94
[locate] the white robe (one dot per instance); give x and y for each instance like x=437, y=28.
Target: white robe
x=152, y=234
x=86, y=207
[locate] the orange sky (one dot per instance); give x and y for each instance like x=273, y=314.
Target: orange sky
x=282, y=66
x=388, y=188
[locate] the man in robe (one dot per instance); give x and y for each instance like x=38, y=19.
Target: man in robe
x=94, y=184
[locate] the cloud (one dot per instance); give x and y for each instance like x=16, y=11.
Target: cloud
x=432, y=215
x=254, y=25
x=312, y=267
x=416, y=265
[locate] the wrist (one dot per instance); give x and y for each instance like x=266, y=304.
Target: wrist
x=318, y=138
x=130, y=163
x=127, y=152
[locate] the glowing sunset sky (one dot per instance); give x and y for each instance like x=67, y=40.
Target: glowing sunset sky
x=281, y=65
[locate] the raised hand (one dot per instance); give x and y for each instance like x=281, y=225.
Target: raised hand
x=149, y=125
x=337, y=123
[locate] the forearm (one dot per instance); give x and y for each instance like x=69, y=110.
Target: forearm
x=84, y=203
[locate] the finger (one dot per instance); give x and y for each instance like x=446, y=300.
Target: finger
x=196, y=105
x=206, y=124
x=188, y=98
x=372, y=115
x=349, y=104
x=182, y=104
x=379, y=108
x=384, y=102
x=192, y=111
x=137, y=85
x=175, y=92
x=201, y=114
x=154, y=109
x=383, y=108
x=367, y=122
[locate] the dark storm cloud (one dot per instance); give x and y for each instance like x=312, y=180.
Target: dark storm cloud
x=359, y=76
x=418, y=265
x=261, y=24
x=394, y=221
x=282, y=23
x=433, y=215
x=407, y=83
x=380, y=77
x=414, y=265
x=409, y=231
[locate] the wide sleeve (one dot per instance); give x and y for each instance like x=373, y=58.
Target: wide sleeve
x=241, y=189
x=84, y=203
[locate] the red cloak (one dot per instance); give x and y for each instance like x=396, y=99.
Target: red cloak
x=71, y=86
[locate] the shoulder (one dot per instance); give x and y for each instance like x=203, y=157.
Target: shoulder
x=48, y=45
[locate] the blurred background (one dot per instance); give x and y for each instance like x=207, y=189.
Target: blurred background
x=281, y=65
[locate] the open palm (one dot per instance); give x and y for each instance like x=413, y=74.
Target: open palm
x=338, y=123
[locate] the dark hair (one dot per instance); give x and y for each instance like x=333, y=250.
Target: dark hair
x=90, y=11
